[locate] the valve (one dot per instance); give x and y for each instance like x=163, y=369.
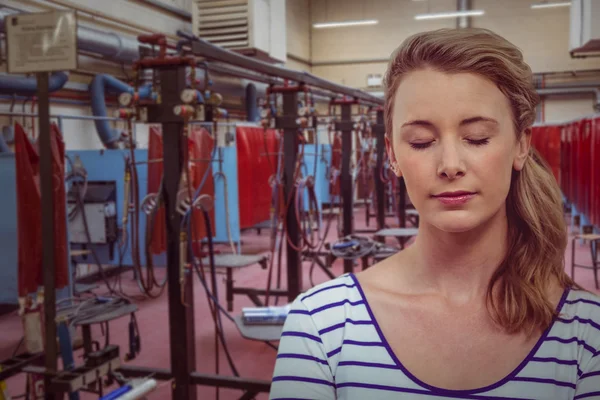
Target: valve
x=188, y=96
x=125, y=99
x=214, y=99
x=125, y=113
x=183, y=110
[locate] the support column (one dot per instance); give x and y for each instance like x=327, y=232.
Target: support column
x=379, y=131
x=347, y=189
x=290, y=153
x=181, y=317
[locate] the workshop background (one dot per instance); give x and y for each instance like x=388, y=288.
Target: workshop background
x=559, y=39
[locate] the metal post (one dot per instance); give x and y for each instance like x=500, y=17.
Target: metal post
x=401, y=193
x=379, y=131
x=346, y=178
x=181, y=317
x=46, y=183
x=290, y=149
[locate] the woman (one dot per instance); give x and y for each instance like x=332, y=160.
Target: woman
x=479, y=306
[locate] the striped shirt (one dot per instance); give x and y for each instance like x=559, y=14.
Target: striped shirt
x=333, y=348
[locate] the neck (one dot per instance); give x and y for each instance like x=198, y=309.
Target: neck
x=459, y=266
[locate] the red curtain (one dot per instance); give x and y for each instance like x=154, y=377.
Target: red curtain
x=29, y=213
x=200, y=145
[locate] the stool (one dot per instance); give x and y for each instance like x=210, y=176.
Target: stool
x=229, y=262
x=401, y=234
x=593, y=238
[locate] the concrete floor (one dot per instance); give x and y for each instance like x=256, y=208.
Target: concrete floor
x=253, y=359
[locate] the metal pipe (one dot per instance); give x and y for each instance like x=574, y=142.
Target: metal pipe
x=210, y=51
x=74, y=117
x=101, y=83
x=17, y=84
x=180, y=12
x=463, y=22
x=572, y=91
x=593, y=84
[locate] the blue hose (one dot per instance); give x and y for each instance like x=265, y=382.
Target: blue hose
x=22, y=85
x=100, y=84
x=252, y=113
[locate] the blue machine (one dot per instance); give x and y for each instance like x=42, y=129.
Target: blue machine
x=109, y=166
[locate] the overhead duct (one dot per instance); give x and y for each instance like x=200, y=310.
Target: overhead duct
x=121, y=49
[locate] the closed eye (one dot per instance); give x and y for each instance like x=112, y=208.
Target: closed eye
x=420, y=146
x=479, y=142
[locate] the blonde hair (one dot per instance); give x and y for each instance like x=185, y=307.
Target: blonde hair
x=517, y=295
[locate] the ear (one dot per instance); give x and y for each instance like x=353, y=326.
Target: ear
x=522, y=149
x=392, y=157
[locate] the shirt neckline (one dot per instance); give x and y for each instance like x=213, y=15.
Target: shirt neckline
x=438, y=390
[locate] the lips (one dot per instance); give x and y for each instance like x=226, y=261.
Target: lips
x=458, y=193
x=455, y=198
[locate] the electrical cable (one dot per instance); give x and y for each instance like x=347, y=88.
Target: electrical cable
x=16, y=350
x=80, y=203
x=192, y=243
x=211, y=296
x=276, y=192
x=352, y=247
x=150, y=282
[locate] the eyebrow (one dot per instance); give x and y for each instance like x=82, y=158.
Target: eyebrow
x=468, y=121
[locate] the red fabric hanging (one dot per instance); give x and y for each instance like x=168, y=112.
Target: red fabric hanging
x=155, y=169
x=200, y=145
x=336, y=163
x=59, y=198
x=29, y=213
x=254, y=170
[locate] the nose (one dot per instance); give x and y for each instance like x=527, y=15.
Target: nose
x=451, y=164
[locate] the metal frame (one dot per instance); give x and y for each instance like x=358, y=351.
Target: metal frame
x=181, y=318
x=48, y=244
x=379, y=130
x=346, y=126
x=290, y=149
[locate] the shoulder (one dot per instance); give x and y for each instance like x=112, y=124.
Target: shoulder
x=330, y=304
x=331, y=292
x=581, y=304
x=579, y=321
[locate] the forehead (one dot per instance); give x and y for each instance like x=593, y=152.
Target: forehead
x=433, y=95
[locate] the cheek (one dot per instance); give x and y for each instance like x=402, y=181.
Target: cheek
x=495, y=171
x=418, y=172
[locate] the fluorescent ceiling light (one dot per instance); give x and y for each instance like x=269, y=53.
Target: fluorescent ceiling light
x=551, y=5
x=454, y=14
x=345, y=23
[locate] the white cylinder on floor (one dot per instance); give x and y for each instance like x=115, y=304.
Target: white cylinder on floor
x=139, y=390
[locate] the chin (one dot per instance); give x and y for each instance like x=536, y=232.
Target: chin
x=455, y=221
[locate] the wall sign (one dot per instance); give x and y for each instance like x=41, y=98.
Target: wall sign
x=40, y=42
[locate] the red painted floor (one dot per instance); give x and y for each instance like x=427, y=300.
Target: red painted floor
x=253, y=359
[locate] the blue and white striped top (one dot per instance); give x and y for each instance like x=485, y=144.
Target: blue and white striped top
x=333, y=348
